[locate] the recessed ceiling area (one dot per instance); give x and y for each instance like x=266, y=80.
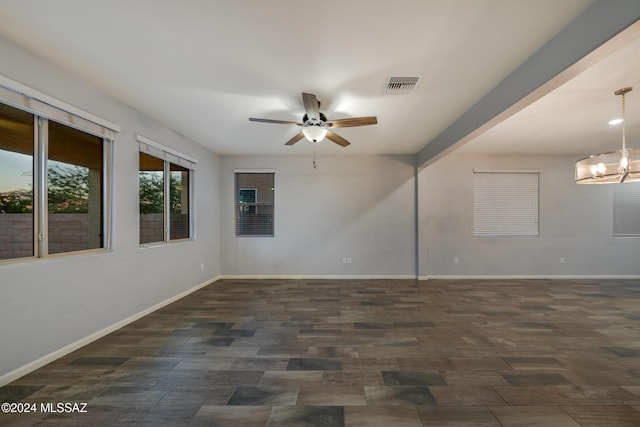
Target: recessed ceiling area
x=574, y=118
x=204, y=67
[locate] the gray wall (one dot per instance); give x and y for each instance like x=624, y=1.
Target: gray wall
x=358, y=207
x=48, y=304
x=575, y=223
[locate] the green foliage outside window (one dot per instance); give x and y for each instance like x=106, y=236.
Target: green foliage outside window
x=152, y=193
x=68, y=189
x=20, y=201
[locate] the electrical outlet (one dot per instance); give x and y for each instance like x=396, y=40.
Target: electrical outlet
x=456, y=260
x=202, y=266
x=349, y=260
x=344, y=259
x=561, y=260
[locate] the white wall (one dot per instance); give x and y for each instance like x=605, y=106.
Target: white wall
x=358, y=207
x=46, y=305
x=575, y=223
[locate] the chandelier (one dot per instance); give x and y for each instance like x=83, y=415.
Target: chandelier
x=613, y=167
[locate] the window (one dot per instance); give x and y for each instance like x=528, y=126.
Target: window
x=626, y=210
x=506, y=203
x=165, y=193
x=247, y=198
x=16, y=183
x=75, y=182
x=53, y=185
x=151, y=182
x=179, y=206
x=254, y=203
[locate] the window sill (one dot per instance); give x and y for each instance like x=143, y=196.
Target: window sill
x=52, y=257
x=153, y=245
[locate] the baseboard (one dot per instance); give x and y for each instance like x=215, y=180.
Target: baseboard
x=38, y=363
x=530, y=277
x=311, y=276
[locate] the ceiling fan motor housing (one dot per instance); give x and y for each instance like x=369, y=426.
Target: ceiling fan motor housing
x=308, y=122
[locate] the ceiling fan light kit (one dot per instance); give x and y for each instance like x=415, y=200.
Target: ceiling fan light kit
x=620, y=166
x=314, y=133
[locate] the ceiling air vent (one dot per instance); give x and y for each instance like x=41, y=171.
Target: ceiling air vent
x=401, y=85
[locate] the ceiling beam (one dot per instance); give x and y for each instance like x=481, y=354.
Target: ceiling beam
x=586, y=40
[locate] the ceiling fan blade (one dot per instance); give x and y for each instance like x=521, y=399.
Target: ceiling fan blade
x=311, y=106
x=337, y=139
x=280, y=122
x=295, y=139
x=354, y=121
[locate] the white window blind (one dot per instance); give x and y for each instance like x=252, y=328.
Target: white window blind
x=254, y=203
x=626, y=210
x=506, y=204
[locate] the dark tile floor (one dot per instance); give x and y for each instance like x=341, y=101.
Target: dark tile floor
x=360, y=353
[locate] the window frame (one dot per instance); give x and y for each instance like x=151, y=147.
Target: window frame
x=168, y=156
x=40, y=214
x=237, y=205
x=189, y=195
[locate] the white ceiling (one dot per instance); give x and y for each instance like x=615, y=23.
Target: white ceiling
x=203, y=67
x=573, y=119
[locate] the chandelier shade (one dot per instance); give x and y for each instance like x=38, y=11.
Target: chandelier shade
x=608, y=168
x=615, y=166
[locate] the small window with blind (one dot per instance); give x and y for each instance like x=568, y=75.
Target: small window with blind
x=254, y=203
x=506, y=204
x=626, y=210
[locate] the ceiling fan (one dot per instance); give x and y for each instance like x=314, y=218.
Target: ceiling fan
x=315, y=126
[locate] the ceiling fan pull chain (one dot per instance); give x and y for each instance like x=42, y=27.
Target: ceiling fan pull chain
x=624, y=144
x=314, y=156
